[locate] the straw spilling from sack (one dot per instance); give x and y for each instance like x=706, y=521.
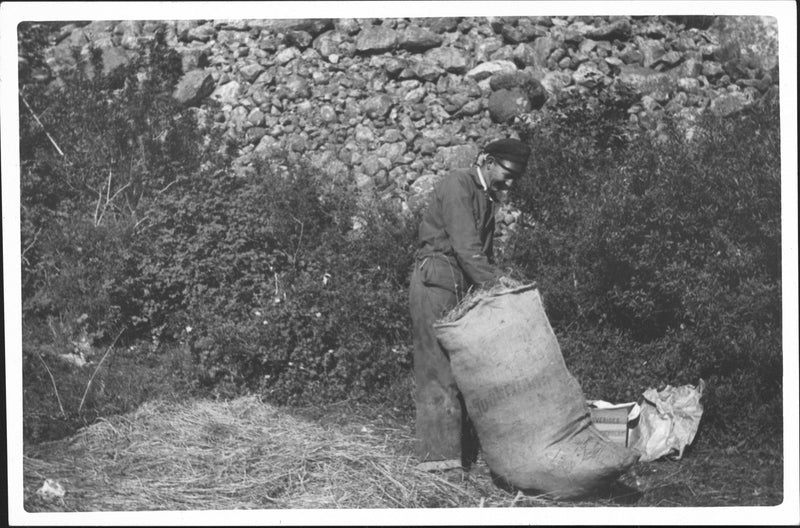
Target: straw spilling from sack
x=473, y=296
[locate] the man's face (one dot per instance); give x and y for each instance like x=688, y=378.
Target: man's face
x=501, y=174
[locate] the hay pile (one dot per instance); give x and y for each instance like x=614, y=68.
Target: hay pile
x=242, y=454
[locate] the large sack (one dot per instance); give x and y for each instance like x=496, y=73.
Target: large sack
x=529, y=411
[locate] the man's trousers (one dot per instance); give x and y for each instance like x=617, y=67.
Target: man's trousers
x=443, y=430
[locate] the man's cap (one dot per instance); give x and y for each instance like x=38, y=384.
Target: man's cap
x=514, y=151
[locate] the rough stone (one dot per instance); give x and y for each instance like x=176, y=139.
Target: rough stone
x=694, y=21
x=423, y=70
x=298, y=38
x=619, y=29
x=712, y=69
x=417, y=39
x=364, y=182
x=296, y=87
x=690, y=68
x=443, y=24
x=542, y=48
x=251, y=72
x=486, y=48
x=193, y=58
x=689, y=84
x=202, y=33
x=458, y=156
x=99, y=29
x=391, y=65
x=506, y=104
x=471, y=108
x=670, y=58
x=524, y=55
x=652, y=51
x=449, y=59
x=377, y=106
x=728, y=104
x=509, y=79
x=416, y=95
x=253, y=135
x=256, y=117
x=328, y=114
x=487, y=69
x=644, y=80
x=392, y=135
x=236, y=24
x=313, y=26
x=513, y=34
x=227, y=93
x=364, y=134
x=587, y=45
x=287, y=55
x=371, y=165
x=193, y=87
x=589, y=75
x=419, y=191
x=631, y=55
x=114, y=59
x=237, y=118
x=392, y=151
x=554, y=82
x=376, y=40
x=329, y=43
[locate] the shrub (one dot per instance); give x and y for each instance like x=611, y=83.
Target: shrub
x=124, y=141
x=659, y=258
x=311, y=310
x=106, y=149
x=137, y=226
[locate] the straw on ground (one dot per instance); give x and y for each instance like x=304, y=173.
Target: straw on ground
x=242, y=454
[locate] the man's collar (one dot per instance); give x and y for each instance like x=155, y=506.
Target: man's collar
x=480, y=182
x=481, y=179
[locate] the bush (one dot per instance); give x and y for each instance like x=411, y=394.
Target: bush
x=136, y=226
x=107, y=148
x=307, y=310
x=659, y=257
x=124, y=141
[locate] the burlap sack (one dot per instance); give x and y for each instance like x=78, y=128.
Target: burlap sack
x=529, y=411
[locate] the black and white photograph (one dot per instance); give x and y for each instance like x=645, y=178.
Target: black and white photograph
x=400, y=263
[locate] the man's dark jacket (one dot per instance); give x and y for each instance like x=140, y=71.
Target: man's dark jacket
x=458, y=230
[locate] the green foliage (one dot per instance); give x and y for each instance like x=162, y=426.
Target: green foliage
x=103, y=150
x=659, y=258
x=279, y=280
x=306, y=308
x=124, y=142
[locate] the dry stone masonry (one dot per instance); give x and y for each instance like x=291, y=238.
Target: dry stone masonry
x=391, y=104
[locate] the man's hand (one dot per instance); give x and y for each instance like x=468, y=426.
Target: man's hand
x=504, y=281
x=508, y=282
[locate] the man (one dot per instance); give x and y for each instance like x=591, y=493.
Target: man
x=455, y=254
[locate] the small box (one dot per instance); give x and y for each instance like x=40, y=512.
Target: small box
x=612, y=423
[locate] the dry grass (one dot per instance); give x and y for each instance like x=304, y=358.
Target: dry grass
x=241, y=454
x=244, y=454
x=472, y=297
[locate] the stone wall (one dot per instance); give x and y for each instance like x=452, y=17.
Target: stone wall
x=391, y=104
